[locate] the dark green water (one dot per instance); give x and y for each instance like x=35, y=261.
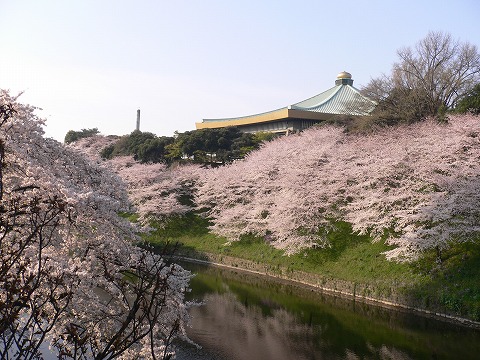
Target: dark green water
x=253, y=317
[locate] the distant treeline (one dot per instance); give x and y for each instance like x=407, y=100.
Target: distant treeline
x=200, y=146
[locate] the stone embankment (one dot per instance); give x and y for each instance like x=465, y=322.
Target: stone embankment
x=377, y=292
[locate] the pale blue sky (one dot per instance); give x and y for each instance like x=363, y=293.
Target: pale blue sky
x=93, y=63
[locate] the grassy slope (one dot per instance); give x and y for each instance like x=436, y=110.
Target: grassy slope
x=451, y=287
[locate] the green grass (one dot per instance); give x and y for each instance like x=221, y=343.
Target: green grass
x=350, y=257
x=451, y=287
x=453, y=283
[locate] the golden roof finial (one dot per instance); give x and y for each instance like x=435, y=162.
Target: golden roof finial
x=344, y=75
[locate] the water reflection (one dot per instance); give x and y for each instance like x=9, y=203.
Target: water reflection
x=248, y=317
x=274, y=337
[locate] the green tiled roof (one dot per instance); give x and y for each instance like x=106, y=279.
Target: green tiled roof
x=341, y=100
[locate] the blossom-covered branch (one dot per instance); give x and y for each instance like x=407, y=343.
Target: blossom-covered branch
x=70, y=272
x=418, y=182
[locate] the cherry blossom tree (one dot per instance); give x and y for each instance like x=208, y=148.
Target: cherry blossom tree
x=426, y=185
x=414, y=186
x=417, y=183
x=93, y=145
x=158, y=191
x=70, y=273
x=258, y=195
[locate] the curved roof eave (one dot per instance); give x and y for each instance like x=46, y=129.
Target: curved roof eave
x=240, y=118
x=276, y=115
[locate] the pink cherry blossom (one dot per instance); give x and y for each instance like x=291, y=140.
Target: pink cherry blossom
x=416, y=184
x=419, y=181
x=70, y=271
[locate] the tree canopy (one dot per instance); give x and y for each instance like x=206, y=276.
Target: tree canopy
x=71, y=273
x=415, y=186
x=212, y=146
x=143, y=146
x=471, y=102
x=72, y=135
x=216, y=145
x=428, y=79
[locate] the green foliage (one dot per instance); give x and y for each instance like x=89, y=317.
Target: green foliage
x=107, y=152
x=73, y=136
x=471, y=102
x=263, y=136
x=189, y=224
x=350, y=257
x=452, y=279
x=143, y=146
x=154, y=150
x=213, y=146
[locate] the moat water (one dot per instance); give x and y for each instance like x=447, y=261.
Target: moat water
x=245, y=316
